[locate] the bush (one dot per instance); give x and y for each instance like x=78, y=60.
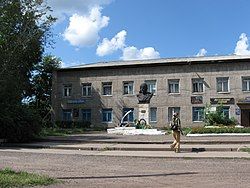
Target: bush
x=217, y=117
x=19, y=124
x=203, y=130
x=71, y=124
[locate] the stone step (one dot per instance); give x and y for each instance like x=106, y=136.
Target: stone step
x=134, y=147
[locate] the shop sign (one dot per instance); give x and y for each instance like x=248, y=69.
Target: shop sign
x=237, y=111
x=196, y=99
x=222, y=100
x=76, y=101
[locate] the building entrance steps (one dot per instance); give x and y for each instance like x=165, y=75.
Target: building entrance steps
x=146, y=139
x=132, y=147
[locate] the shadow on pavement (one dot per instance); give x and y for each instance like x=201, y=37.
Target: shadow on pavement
x=128, y=176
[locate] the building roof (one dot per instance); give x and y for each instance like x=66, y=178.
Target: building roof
x=162, y=61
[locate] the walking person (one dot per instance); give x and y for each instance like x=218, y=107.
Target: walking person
x=175, y=126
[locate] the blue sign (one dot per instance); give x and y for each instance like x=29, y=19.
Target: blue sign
x=76, y=101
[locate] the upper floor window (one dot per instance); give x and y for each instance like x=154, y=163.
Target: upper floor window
x=198, y=114
x=67, y=89
x=173, y=86
x=67, y=115
x=222, y=84
x=171, y=111
x=151, y=85
x=128, y=87
x=86, y=89
x=153, y=115
x=130, y=116
x=107, y=88
x=107, y=115
x=86, y=115
x=245, y=83
x=197, y=84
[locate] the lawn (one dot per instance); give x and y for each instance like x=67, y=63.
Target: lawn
x=11, y=178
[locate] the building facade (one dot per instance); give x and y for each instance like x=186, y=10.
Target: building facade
x=103, y=92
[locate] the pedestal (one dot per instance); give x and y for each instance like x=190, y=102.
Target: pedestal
x=144, y=112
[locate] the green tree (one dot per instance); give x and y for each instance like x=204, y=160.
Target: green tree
x=42, y=86
x=24, y=32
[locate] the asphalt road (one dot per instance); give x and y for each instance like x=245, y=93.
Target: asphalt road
x=76, y=170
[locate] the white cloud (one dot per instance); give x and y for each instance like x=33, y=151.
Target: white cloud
x=83, y=30
x=202, y=52
x=61, y=8
x=242, y=45
x=132, y=53
x=109, y=46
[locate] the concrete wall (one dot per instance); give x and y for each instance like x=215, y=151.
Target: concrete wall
x=162, y=99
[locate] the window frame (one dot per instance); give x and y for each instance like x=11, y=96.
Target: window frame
x=130, y=87
x=173, y=83
x=198, y=83
x=247, y=80
x=152, y=87
x=153, y=109
x=68, y=89
x=68, y=112
x=200, y=113
x=108, y=118
x=222, y=81
x=87, y=87
x=130, y=117
x=106, y=85
x=87, y=113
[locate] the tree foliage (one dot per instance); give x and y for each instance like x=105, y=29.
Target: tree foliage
x=24, y=32
x=42, y=85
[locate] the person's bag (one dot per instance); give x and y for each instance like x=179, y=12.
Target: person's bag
x=174, y=127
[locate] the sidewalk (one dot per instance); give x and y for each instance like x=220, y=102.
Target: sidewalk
x=140, y=146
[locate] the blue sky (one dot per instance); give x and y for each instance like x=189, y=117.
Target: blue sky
x=89, y=31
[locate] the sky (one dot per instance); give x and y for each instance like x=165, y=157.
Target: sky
x=91, y=31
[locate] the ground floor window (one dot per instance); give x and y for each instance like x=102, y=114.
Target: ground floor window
x=86, y=115
x=107, y=115
x=153, y=115
x=198, y=114
x=225, y=111
x=171, y=111
x=129, y=117
x=67, y=115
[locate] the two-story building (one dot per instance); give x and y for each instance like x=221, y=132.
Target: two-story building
x=102, y=92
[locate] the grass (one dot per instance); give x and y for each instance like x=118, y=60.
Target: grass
x=57, y=131
x=246, y=149
x=225, y=129
x=10, y=178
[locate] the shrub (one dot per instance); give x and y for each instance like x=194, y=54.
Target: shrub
x=71, y=124
x=217, y=117
x=19, y=124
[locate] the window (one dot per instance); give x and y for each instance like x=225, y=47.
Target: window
x=222, y=84
x=128, y=88
x=173, y=86
x=171, y=111
x=129, y=117
x=67, y=90
x=245, y=83
x=86, y=89
x=151, y=85
x=198, y=113
x=225, y=111
x=197, y=84
x=86, y=115
x=107, y=88
x=153, y=115
x=107, y=115
x=67, y=115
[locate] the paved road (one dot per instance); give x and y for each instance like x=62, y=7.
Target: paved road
x=77, y=170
